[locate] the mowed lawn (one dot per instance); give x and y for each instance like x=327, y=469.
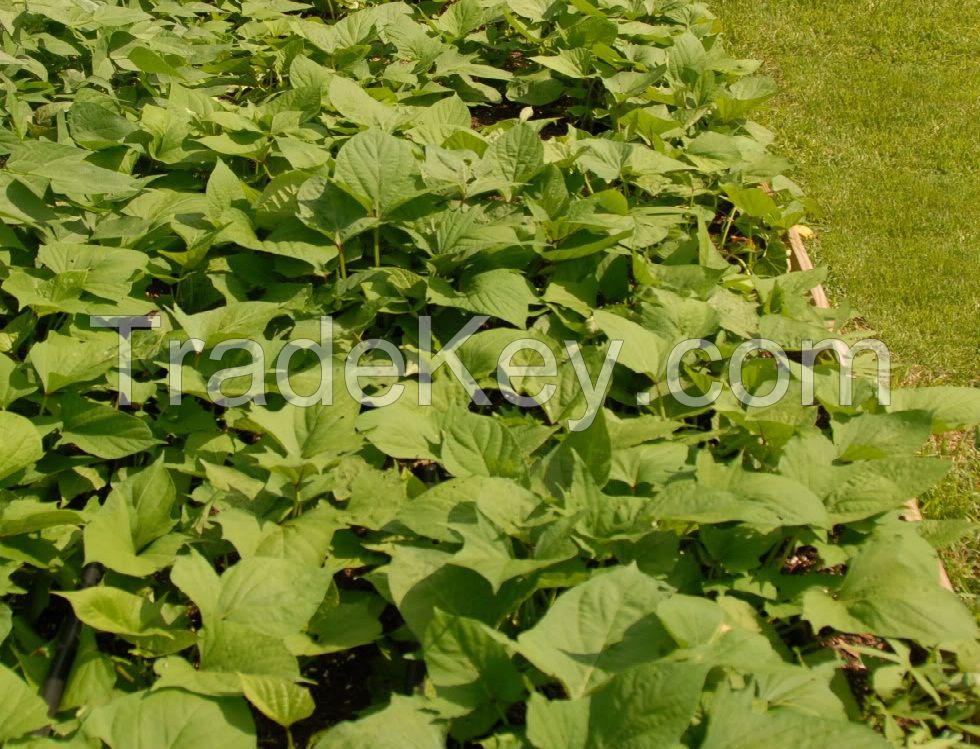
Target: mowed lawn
x=880, y=110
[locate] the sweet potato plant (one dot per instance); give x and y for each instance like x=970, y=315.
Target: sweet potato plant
x=481, y=571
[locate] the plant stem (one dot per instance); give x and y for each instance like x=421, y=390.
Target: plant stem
x=296, y=502
x=343, y=260
x=728, y=228
x=588, y=104
x=377, y=246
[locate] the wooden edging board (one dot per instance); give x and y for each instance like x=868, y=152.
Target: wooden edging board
x=799, y=259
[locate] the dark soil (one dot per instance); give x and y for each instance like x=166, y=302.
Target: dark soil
x=803, y=561
x=855, y=671
x=340, y=693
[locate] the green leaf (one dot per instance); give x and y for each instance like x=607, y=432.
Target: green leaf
x=688, y=58
x=305, y=539
x=276, y=597
x=642, y=350
x=325, y=207
x=712, y=151
x=93, y=675
x=536, y=10
x=470, y=664
x=114, y=610
x=404, y=429
x=251, y=614
x=21, y=709
x=229, y=650
x=461, y=18
x=102, y=430
x=14, y=383
x=199, y=582
x=378, y=169
x=537, y=89
x=150, y=62
x=68, y=170
x=351, y=623
x=604, y=158
x=108, y=271
x=517, y=155
x=96, y=122
x=593, y=447
x=574, y=63
x=129, y=533
x=733, y=494
x=223, y=190
x=447, y=116
x=22, y=444
x=402, y=724
x=357, y=105
x=646, y=706
x=745, y=95
x=20, y=204
x=754, y=202
x=499, y=293
x=481, y=446
x=315, y=431
x=108, y=539
x=172, y=719
x=734, y=722
x=246, y=320
x=597, y=629
x=6, y=622
x=488, y=551
x=871, y=436
x=892, y=589
x=862, y=489
x=503, y=501
x=278, y=699
x=647, y=464
x=28, y=516
x=950, y=407
x=61, y=360
x=421, y=580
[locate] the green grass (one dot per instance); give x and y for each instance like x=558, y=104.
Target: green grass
x=880, y=109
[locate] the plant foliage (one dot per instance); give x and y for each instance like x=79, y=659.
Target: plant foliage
x=463, y=575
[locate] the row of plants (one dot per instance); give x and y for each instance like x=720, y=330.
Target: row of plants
x=474, y=572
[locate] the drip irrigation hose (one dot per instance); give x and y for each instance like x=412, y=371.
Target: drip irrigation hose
x=67, y=646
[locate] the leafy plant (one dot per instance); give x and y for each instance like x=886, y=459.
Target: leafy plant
x=465, y=574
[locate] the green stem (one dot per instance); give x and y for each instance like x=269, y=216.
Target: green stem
x=343, y=260
x=296, y=502
x=377, y=246
x=588, y=104
x=728, y=228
